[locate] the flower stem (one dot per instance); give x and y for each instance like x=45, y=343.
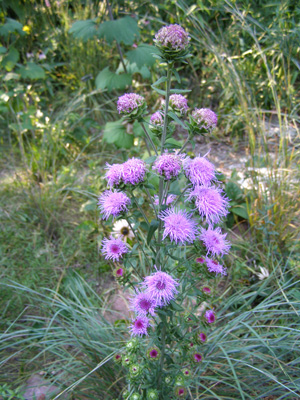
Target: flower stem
x=149, y=138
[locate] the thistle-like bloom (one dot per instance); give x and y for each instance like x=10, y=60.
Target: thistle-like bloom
x=210, y=316
x=153, y=353
x=200, y=260
x=197, y=357
x=170, y=199
x=157, y=119
x=180, y=391
x=113, y=174
x=202, y=337
x=178, y=103
x=161, y=287
x=133, y=171
x=139, y=326
x=214, y=241
x=209, y=202
x=179, y=226
x=214, y=266
x=129, y=102
x=143, y=304
x=205, y=118
x=113, y=249
x=199, y=171
x=206, y=290
x=122, y=230
x=172, y=37
x=168, y=165
x=119, y=272
x=113, y=203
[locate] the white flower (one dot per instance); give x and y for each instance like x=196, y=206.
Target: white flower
x=122, y=230
x=264, y=273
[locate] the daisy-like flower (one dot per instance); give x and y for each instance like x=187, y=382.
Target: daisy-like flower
x=179, y=226
x=205, y=118
x=214, y=241
x=214, y=266
x=142, y=303
x=113, y=203
x=133, y=171
x=199, y=170
x=122, y=230
x=157, y=119
x=172, y=37
x=210, y=316
x=263, y=274
x=161, y=287
x=168, y=165
x=113, y=249
x=178, y=103
x=139, y=326
x=129, y=102
x=170, y=199
x=113, y=174
x=209, y=202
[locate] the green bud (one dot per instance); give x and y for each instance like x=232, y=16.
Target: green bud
x=152, y=394
x=133, y=345
x=135, y=371
x=179, y=380
x=135, y=396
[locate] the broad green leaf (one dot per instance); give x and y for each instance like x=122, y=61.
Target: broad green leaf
x=233, y=191
x=133, y=69
x=176, y=119
x=107, y=79
x=124, y=30
x=84, y=30
x=3, y=50
x=115, y=132
x=32, y=71
x=90, y=205
x=153, y=226
x=11, y=76
x=11, y=59
x=142, y=55
x=240, y=210
x=11, y=26
x=159, y=91
x=177, y=91
x=173, y=143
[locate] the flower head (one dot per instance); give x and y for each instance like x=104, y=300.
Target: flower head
x=214, y=241
x=130, y=102
x=157, y=119
x=133, y=171
x=170, y=199
x=179, y=226
x=209, y=202
x=199, y=170
x=139, y=326
x=113, y=203
x=200, y=260
x=214, y=266
x=197, y=357
x=113, y=249
x=122, y=230
x=168, y=165
x=152, y=394
x=206, y=290
x=210, y=316
x=172, y=37
x=264, y=273
x=180, y=391
x=153, y=353
x=178, y=103
x=161, y=287
x=205, y=118
x=202, y=337
x=142, y=303
x=113, y=174
x=117, y=358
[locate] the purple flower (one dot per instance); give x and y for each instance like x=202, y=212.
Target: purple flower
x=119, y=272
x=199, y=170
x=179, y=226
x=209, y=202
x=168, y=165
x=206, y=290
x=214, y=266
x=210, y=316
x=113, y=203
x=200, y=260
x=113, y=249
x=114, y=174
x=143, y=304
x=214, y=241
x=139, y=326
x=170, y=199
x=153, y=353
x=197, y=357
x=161, y=287
x=157, y=119
x=178, y=103
x=129, y=102
x=202, y=337
x=173, y=37
x=180, y=392
x=205, y=118
x=133, y=171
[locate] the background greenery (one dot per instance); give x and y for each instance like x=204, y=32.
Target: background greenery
x=63, y=66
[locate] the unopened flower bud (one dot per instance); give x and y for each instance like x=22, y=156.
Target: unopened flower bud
x=152, y=394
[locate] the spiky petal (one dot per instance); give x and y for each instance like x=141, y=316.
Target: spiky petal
x=113, y=202
x=142, y=303
x=161, y=287
x=214, y=266
x=214, y=241
x=168, y=165
x=113, y=249
x=199, y=170
x=140, y=326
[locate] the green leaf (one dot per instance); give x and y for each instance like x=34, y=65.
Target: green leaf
x=133, y=69
x=11, y=26
x=176, y=119
x=11, y=59
x=115, y=132
x=153, y=226
x=11, y=76
x=150, y=160
x=159, y=91
x=124, y=30
x=160, y=80
x=32, y=71
x=142, y=55
x=177, y=91
x=107, y=79
x=176, y=307
x=90, y=205
x=233, y=191
x=84, y=30
x=240, y=210
x=137, y=129
x=3, y=50
x=173, y=143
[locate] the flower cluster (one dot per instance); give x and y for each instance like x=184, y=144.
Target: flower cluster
x=132, y=172
x=179, y=226
x=157, y=119
x=172, y=37
x=130, y=102
x=205, y=118
x=178, y=103
x=168, y=165
x=113, y=202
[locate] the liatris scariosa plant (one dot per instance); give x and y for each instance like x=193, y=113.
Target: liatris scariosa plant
x=173, y=255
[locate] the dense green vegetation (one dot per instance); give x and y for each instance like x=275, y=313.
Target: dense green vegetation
x=63, y=65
